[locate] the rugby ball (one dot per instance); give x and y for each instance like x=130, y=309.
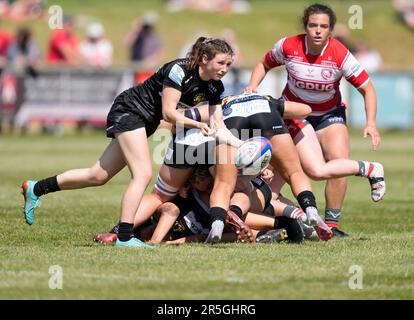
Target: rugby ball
x=253, y=156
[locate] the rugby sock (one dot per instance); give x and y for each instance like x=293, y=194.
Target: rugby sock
x=115, y=229
x=261, y=233
x=332, y=217
x=365, y=169
x=217, y=213
x=292, y=227
x=45, y=186
x=237, y=210
x=306, y=199
x=269, y=210
x=276, y=223
x=292, y=212
x=125, y=231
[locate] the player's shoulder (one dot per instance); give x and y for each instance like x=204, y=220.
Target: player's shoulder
x=338, y=49
x=177, y=63
x=292, y=43
x=176, y=70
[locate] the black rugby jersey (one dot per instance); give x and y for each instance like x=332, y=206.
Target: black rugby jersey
x=147, y=96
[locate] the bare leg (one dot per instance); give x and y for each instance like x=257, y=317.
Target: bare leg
x=224, y=184
x=135, y=149
x=285, y=160
x=175, y=178
x=169, y=214
x=108, y=165
x=314, y=163
x=330, y=138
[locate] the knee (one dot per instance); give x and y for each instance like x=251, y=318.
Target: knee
x=316, y=173
x=170, y=209
x=98, y=177
x=146, y=176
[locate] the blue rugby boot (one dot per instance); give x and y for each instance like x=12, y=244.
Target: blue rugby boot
x=134, y=243
x=31, y=201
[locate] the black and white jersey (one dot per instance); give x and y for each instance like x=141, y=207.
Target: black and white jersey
x=249, y=115
x=146, y=97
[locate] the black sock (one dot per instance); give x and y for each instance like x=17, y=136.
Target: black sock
x=115, y=229
x=237, y=210
x=269, y=210
x=45, y=186
x=276, y=223
x=125, y=231
x=306, y=199
x=292, y=228
x=217, y=213
x=261, y=232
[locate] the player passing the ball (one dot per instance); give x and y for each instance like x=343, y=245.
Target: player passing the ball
x=134, y=116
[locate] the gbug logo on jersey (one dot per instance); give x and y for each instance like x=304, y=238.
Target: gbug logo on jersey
x=311, y=85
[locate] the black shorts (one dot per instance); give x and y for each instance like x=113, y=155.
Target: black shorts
x=335, y=116
x=185, y=152
x=265, y=124
x=122, y=118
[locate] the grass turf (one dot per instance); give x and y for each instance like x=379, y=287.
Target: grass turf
x=382, y=241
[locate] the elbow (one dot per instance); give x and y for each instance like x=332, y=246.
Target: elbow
x=168, y=117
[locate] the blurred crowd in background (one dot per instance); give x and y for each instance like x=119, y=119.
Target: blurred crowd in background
x=21, y=54
x=142, y=43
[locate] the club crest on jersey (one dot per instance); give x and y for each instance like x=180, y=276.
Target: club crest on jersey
x=199, y=98
x=326, y=74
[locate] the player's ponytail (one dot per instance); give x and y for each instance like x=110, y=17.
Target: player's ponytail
x=208, y=46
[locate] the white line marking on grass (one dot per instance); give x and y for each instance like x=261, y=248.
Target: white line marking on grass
x=19, y=273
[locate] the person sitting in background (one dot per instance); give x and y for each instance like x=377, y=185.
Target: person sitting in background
x=143, y=42
x=64, y=45
x=370, y=59
x=24, y=53
x=96, y=51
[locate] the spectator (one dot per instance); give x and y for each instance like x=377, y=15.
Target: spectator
x=405, y=11
x=64, y=45
x=96, y=51
x=4, y=8
x=235, y=87
x=143, y=42
x=341, y=33
x=5, y=41
x=226, y=6
x=370, y=59
x=188, y=45
x=21, y=10
x=24, y=53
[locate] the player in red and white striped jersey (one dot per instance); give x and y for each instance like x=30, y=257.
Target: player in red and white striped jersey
x=315, y=63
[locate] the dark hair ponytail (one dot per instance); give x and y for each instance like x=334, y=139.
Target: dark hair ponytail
x=318, y=8
x=208, y=46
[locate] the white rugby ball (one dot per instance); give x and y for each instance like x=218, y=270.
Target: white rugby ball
x=253, y=156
